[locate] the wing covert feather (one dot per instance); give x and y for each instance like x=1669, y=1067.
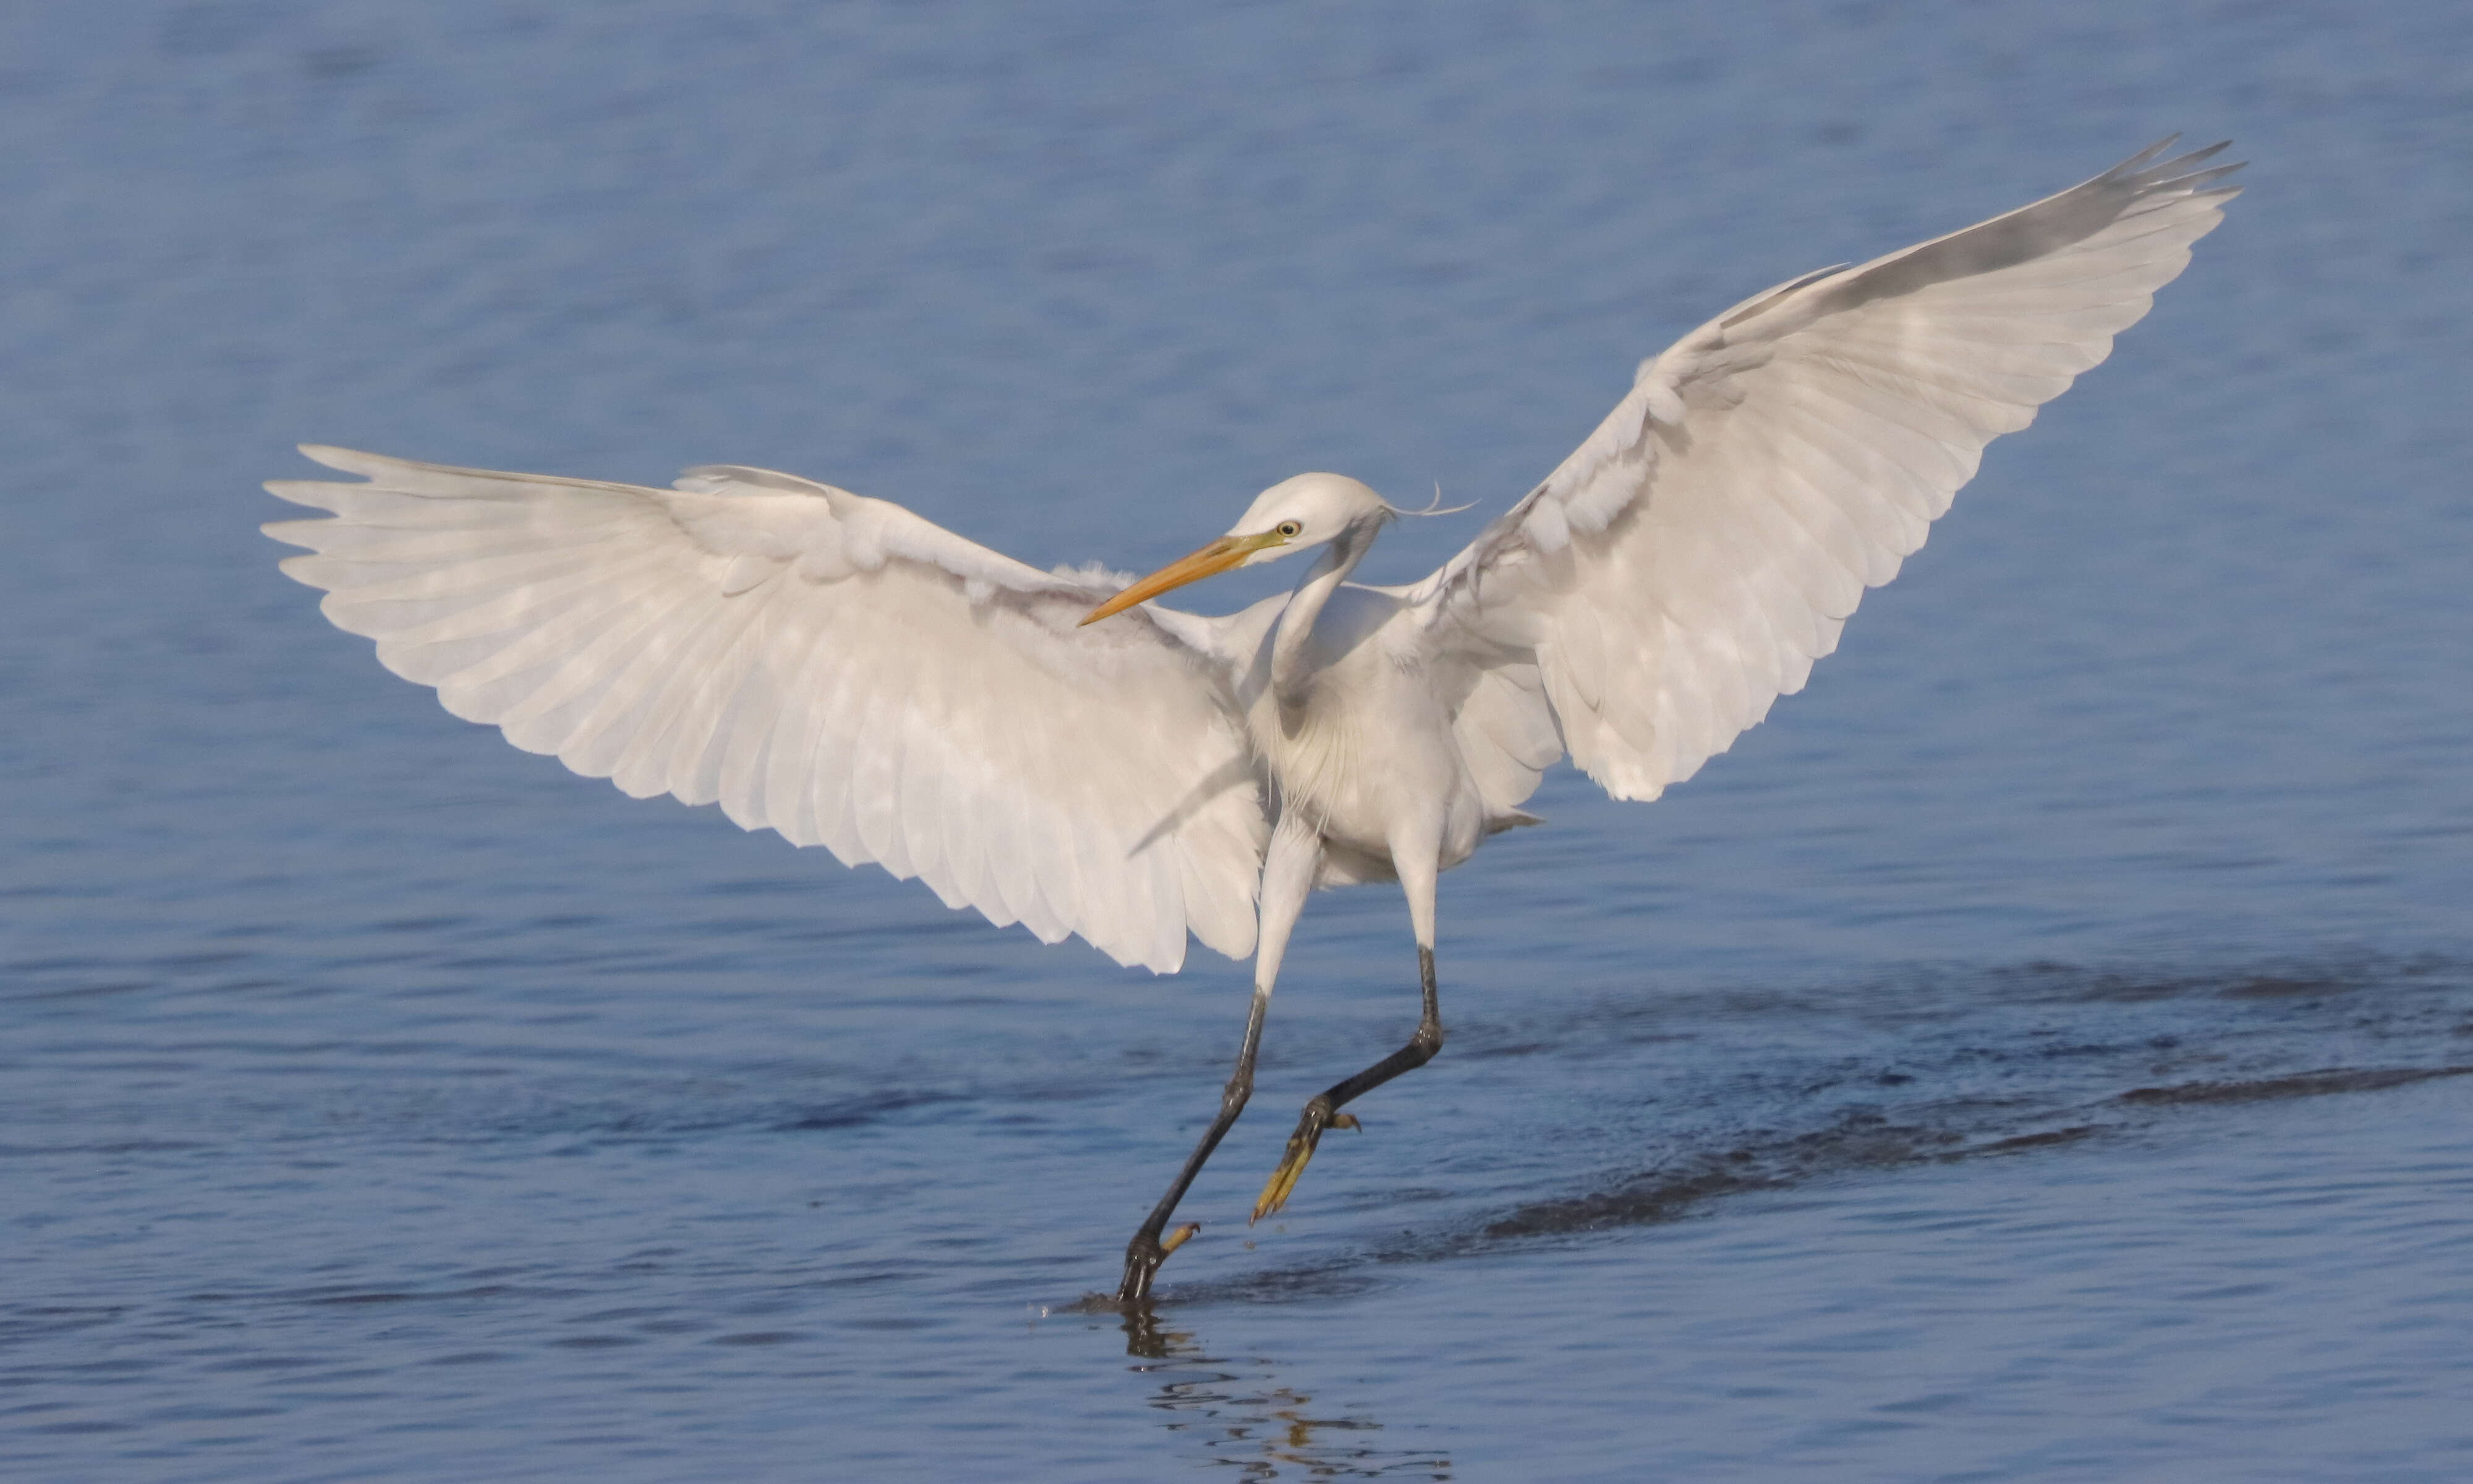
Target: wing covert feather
x=831, y=667
x=1686, y=564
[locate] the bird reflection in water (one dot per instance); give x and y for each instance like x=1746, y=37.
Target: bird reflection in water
x=1266, y=1433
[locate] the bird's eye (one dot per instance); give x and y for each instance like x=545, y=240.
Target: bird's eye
x=1290, y=528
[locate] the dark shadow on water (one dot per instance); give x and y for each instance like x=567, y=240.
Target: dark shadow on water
x=1745, y=1091
x=2097, y=1055
x=2318, y=1084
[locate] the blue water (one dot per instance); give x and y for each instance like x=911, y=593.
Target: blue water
x=2036, y=1053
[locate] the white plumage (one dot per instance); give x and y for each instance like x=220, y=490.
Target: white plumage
x=828, y=667
x=1684, y=567
x=841, y=671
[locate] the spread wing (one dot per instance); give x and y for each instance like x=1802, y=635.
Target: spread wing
x=1685, y=566
x=831, y=667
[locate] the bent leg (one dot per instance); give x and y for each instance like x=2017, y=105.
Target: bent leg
x=1323, y=1109
x=1417, y=871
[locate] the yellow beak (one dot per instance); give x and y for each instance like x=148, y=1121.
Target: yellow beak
x=1209, y=561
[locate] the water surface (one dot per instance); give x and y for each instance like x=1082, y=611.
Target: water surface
x=2037, y=1052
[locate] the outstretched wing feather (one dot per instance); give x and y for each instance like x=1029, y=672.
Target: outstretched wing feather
x=830, y=667
x=1688, y=563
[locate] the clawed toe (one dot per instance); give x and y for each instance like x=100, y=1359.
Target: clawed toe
x=1318, y=1116
x=1144, y=1254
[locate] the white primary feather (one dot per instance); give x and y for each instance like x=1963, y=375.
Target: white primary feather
x=828, y=667
x=1684, y=567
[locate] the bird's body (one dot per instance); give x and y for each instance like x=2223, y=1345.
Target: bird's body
x=1342, y=708
x=1053, y=749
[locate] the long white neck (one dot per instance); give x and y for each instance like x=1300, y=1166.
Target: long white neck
x=1294, y=659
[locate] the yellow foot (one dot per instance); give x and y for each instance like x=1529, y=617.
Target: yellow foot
x=1178, y=1239
x=1301, y=1148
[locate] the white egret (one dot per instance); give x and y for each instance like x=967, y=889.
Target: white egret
x=839, y=670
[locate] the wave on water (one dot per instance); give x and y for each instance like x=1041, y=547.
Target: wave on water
x=1745, y=1091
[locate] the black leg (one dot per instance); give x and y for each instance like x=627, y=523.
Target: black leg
x=1148, y=1249
x=1323, y=1109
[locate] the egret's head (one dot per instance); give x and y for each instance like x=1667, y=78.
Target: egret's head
x=1305, y=511
x=1309, y=510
